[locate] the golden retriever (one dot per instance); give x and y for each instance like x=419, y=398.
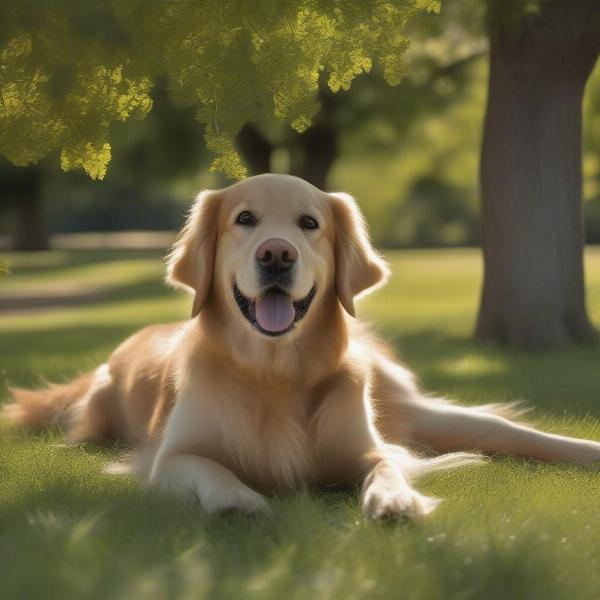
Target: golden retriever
x=273, y=385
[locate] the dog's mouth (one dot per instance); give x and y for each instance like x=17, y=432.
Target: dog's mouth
x=274, y=313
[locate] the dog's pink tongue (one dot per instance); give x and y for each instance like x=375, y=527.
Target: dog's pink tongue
x=275, y=312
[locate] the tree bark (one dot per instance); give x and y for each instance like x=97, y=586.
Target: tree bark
x=533, y=292
x=30, y=227
x=317, y=152
x=317, y=148
x=255, y=148
x=312, y=153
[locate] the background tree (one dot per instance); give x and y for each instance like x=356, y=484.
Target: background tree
x=443, y=47
x=311, y=153
x=21, y=196
x=541, y=55
x=139, y=191
x=149, y=157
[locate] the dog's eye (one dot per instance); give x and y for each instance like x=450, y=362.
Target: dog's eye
x=308, y=222
x=246, y=218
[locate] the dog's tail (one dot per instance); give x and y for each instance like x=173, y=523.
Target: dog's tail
x=52, y=405
x=414, y=466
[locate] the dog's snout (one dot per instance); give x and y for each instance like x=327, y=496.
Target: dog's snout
x=276, y=255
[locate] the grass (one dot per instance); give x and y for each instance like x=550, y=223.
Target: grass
x=509, y=529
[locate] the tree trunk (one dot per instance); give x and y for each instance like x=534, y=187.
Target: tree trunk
x=531, y=223
x=317, y=152
x=255, y=149
x=30, y=228
x=312, y=153
x=317, y=148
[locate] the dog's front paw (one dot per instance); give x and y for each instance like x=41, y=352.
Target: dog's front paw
x=381, y=503
x=239, y=498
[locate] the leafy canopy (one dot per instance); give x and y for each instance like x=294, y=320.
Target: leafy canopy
x=70, y=69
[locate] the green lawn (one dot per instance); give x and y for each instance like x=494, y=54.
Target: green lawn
x=509, y=529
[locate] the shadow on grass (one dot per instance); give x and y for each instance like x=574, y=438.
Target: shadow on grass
x=70, y=340
x=557, y=381
x=79, y=347
x=146, y=289
x=61, y=259
x=112, y=540
x=117, y=541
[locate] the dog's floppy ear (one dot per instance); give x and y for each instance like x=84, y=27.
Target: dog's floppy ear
x=358, y=267
x=191, y=260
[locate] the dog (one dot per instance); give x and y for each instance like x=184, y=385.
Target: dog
x=273, y=385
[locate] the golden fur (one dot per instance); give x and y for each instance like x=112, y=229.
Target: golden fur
x=219, y=412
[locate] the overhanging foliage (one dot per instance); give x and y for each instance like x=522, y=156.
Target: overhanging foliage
x=70, y=69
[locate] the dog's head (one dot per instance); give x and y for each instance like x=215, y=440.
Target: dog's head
x=270, y=247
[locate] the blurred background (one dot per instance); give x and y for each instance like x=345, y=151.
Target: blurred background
x=409, y=154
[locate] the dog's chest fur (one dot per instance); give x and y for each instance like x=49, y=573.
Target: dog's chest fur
x=268, y=442
x=266, y=439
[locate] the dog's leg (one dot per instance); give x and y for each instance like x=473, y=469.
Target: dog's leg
x=348, y=446
x=449, y=427
x=218, y=489
x=179, y=469
x=405, y=415
x=388, y=494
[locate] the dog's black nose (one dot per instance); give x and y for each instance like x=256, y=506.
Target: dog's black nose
x=276, y=255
